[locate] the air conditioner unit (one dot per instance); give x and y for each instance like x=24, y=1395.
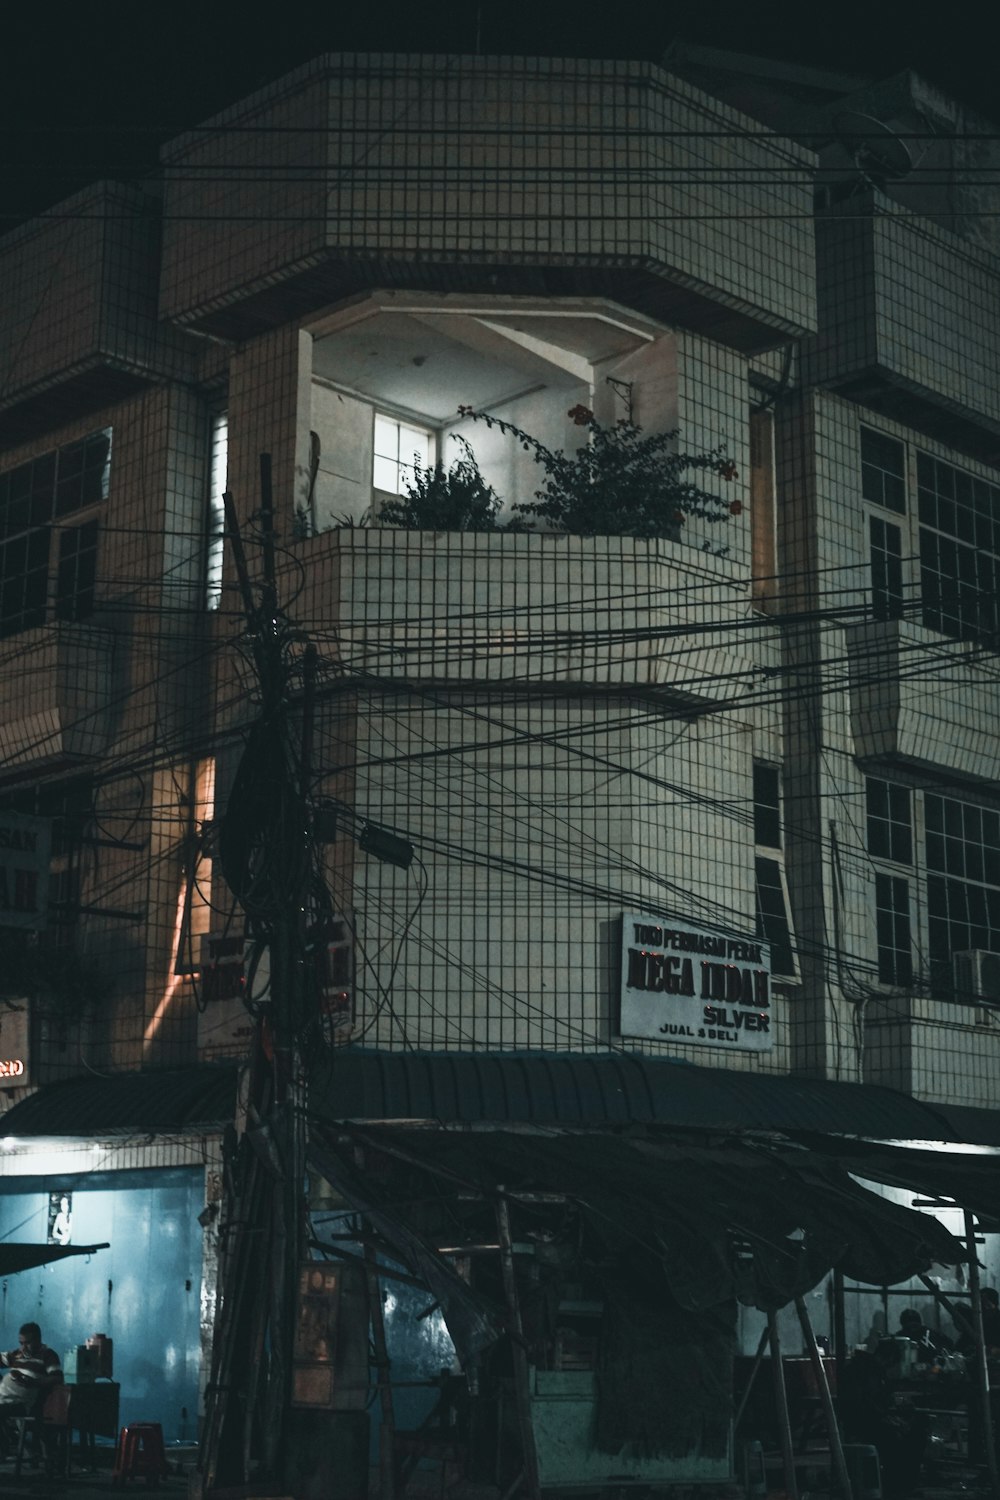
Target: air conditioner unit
x=975, y=975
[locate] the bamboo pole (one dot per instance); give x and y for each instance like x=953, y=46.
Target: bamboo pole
x=823, y=1386
x=522, y=1394
x=982, y=1368
x=387, y=1427
x=758, y=1357
x=781, y=1406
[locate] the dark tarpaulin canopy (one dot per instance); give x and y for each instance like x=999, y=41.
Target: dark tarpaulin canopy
x=683, y=1231
x=15, y=1257
x=970, y=1180
x=799, y=1215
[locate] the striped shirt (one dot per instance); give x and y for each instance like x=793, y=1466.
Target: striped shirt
x=31, y=1372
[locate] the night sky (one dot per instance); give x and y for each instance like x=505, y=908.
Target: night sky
x=89, y=91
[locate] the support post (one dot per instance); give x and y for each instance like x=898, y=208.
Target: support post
x=982, y=1370
x=522, y=1394
x=387, y=1429
x=823, y=1386
x=758, y=1357
x=839, y=1323
x=781, y=1407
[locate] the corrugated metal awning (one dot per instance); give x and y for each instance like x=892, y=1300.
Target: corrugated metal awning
x=582, y=1089
x=184, y=1099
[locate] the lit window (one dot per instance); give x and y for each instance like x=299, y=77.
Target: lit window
x=399, y=448
x=218, y=479
x=48, y=541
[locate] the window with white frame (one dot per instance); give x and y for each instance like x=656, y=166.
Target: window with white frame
x=399, y=447
x=957, y=866
x=963, y=881
x=948, y=542
x=959, y=551
x=48, y=534
x=890, y=843
x=774, y=923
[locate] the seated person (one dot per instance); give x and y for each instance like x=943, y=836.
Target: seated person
x=32, y=1369
x=929, y=1342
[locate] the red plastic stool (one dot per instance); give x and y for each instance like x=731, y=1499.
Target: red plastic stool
x=140, y=1454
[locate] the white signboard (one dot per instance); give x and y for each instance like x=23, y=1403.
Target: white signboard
x=681, y=984
x=24, y=870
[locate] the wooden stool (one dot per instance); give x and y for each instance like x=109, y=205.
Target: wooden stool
x=140, y=1454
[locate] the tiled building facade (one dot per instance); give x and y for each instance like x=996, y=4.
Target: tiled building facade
x=363, y=248
x=779, y=728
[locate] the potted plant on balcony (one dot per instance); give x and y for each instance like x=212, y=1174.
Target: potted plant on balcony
x=439, y=499
x=621, y=482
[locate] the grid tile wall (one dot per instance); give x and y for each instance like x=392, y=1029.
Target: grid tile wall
x=80, y=290
x=476, y=158
x=107, y=692
x=915, y=698
x=538, y=818
x=908, y=297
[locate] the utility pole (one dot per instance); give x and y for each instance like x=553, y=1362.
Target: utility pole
x=265, y=854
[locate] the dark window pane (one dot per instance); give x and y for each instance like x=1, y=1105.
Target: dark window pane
x=883, y=470
x=959, y=552
x=892, y=924
x=889, y=821
x=77, y=570
x=766, y=805
x=886, y=552
x=773, y=923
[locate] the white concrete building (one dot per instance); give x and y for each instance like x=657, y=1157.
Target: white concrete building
x=765, y=747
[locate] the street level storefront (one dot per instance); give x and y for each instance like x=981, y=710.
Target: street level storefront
x=585, y=1230
x=132, y=1163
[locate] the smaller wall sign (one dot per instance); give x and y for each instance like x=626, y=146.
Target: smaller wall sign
x=705, y=989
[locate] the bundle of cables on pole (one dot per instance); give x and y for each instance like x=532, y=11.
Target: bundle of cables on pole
x=268, y=855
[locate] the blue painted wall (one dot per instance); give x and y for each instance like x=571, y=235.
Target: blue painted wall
x=150, y=1308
